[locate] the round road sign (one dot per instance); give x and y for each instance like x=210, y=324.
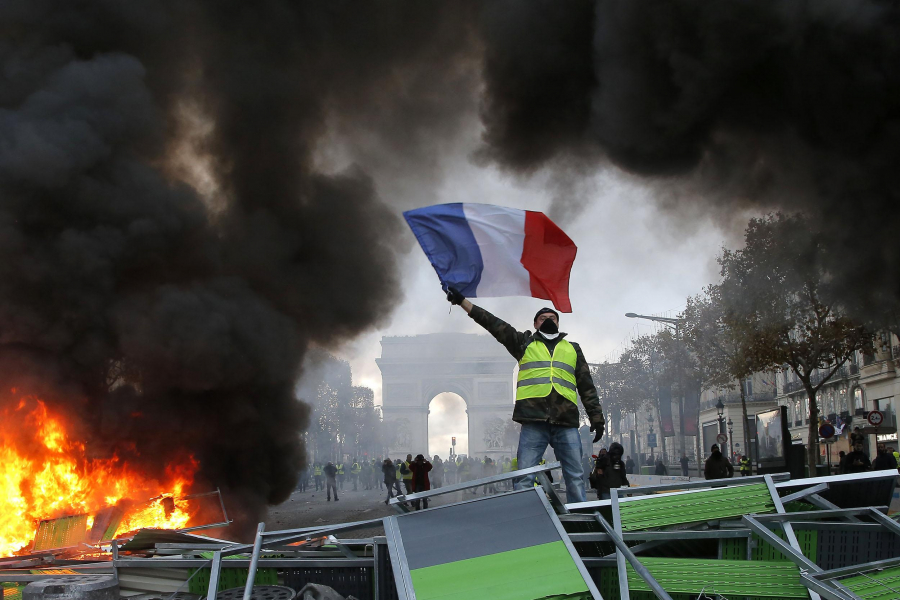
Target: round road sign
x=875, y=418
x=721, y=438
x=826, y=430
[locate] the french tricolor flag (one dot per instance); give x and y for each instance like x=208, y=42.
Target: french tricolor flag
x=488, y=251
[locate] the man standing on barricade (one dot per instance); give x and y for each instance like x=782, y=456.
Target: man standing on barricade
x=552, y=374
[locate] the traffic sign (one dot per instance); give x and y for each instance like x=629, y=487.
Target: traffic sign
x=721, y=438
x=651, y=440
x=826, y=431
x=875, y=418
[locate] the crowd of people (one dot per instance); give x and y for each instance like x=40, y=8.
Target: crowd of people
x=605, y=471
x=402, y=476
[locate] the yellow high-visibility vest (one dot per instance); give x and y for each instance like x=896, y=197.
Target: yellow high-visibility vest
x=409, y=474
x=355, y=469
x=539, y=372
x=340, y=469
x=318, y=471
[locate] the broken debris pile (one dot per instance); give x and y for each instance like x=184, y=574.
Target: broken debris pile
x=749, y=538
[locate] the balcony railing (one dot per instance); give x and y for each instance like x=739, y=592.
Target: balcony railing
x=735, y=398
x=792, y=386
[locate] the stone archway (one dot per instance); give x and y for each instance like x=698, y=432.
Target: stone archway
x=415, y=369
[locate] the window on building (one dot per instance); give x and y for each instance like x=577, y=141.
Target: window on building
x=806, y=409
x=748, y=387
x=858, y=399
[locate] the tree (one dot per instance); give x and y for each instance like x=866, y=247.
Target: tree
x=344, y=418
x=776, y=294
x=722, y=351
x=646, y=368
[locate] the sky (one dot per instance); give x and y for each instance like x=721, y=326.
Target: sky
x=632, y=257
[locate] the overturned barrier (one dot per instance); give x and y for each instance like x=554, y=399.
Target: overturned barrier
x=744, y=538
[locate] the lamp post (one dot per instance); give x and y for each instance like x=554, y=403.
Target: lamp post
x=720, y=410
x=731, y=439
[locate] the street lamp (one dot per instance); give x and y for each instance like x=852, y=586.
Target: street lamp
x=720, y=410
x=652, y=318
x=731, y=439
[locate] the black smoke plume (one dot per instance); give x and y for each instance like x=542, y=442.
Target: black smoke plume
x=164, y=321
x=727, y=105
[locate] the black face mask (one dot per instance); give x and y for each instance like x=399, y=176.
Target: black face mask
x=549, y=326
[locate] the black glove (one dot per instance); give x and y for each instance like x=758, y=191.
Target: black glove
x=454, y=297
x=597, y=427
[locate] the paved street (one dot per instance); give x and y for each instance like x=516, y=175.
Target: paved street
x=310, y=508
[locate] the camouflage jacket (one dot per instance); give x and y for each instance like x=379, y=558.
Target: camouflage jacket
x=554, y=407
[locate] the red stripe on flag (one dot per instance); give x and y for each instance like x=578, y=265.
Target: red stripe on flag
x=548, y=255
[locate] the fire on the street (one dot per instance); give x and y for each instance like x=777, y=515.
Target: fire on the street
x=45, y=474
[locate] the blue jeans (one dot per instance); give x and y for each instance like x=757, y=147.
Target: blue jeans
x=566, y=443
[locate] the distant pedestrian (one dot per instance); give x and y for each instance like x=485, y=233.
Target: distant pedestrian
x=857, y=437
x=331, y=472
x=317, y=475
x=717, y=466
x=365, y=474
x=856, y=461
x=660, y=467
x=684, y=465
x=390, y=479
x=609, y=472
x=450, y=470
x=487, y=470
x=406, y=474
x=884, y=460
x=340, y=475
x=745, y=466
x=354, y=473
x=437, y=472
x=629, y=466
x=420, y=468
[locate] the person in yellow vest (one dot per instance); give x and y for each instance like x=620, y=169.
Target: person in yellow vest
x=406, y=474
x=552, y=375
x=745, y=466
x=317, y=474
x=340, y=476
x=354, y=473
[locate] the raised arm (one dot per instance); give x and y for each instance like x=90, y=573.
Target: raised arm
x=514, y=341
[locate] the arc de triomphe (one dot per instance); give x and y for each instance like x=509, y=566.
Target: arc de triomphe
x=415, y=369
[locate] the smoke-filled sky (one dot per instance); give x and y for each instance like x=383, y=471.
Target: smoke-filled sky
x=194, y=191
x=631, y=258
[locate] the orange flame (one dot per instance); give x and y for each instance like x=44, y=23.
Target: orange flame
x=44, y=474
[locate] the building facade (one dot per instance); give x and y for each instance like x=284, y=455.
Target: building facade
x=867, y=382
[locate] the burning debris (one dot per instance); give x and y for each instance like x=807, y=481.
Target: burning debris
x=47, y=474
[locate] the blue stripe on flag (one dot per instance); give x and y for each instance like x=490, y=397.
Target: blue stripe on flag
x=445, y=236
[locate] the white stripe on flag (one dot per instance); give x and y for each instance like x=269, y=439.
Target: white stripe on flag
x=500, y=234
